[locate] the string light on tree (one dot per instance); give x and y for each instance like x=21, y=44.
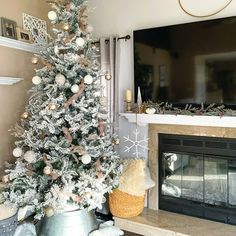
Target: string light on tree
x=65, y=27
x=34, y=60
x=52, y=106
x=47, y=170
x=25, y=115
x=108, y=76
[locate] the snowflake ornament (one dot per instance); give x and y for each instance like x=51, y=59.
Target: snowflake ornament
x=135, y=144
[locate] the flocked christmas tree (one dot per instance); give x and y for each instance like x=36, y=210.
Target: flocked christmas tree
x=64, y=152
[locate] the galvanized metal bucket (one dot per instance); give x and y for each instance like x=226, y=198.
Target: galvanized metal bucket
x=73, y=223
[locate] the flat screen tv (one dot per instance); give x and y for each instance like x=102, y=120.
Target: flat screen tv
x=190, y=63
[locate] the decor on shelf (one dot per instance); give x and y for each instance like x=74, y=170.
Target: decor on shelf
x=37, y=28
x=23, y=35
x=128, y=100
x=8, y=28
x=227, y=3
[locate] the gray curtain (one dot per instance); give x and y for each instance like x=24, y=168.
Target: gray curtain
x=110, y=56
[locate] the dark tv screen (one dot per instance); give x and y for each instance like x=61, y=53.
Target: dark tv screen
x=187, y=63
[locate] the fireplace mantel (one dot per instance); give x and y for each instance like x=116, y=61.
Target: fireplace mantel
x=209, y=121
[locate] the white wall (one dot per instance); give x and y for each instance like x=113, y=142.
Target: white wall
x=123, y=16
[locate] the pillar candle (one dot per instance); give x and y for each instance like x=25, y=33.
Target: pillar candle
x=128, y=95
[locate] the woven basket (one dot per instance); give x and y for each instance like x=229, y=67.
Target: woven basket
x=125, y=205
x=8, y=226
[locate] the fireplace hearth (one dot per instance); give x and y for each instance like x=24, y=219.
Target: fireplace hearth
x=197, y=176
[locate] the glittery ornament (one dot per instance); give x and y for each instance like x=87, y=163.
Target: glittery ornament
x=86, y=159
x=25, y=115
x=52, y=15
x=47, y=170
x=88, y=79
x=49, y=211
x=36, y=80
x=103, y=101
x=108, y=77
x=30, y=156
x=75, y=88
x=116, y=141
x=65, y=27
x=60, y=79
x=80, y=42
x=52, y=106
x=17, y=152
x=5, y=179
x=34, y=60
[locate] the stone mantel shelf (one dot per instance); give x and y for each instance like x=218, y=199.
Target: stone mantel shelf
x=16, y=44
x=212, y=121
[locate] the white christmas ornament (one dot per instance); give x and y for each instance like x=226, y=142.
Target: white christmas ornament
x=75, y=88
x=52, y=15
x=30, y=156
x=17, y=152
x=60, y=79
x=36, y=80
x=80, y=42
x=88, y=79
x=86, y=159
x=136, y=144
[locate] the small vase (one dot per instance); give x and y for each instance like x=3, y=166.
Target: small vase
x=73, y=223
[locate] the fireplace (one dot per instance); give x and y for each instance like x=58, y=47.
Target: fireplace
x=213, y=147
x=197, y=176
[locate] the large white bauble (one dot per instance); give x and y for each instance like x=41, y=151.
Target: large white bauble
x=36, y=80
x=60, y=79
x=80, y=42
x=75, y=88
x=17, y=152
x=52, y=15
x=88, y=79
x=30, y=156
x=86, y=159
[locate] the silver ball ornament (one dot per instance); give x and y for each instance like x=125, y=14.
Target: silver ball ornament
x=36, y=80
x=30, y=156
x=75, y=88
x=86, y=159
x=60, y=79
x=88, y=79
x=17, y=152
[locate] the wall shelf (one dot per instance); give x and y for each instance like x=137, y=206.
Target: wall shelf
x=210, y=121
x=16, y=44
x=9, y=80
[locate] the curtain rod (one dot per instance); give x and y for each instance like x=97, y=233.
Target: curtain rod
x=127, y=37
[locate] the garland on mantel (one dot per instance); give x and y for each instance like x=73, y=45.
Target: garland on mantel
x=209, y=110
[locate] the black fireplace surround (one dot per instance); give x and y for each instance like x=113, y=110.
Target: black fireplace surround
x=197, y=176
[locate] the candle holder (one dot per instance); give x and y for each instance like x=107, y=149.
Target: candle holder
x=128, y=106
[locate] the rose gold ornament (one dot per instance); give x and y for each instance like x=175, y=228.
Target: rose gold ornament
x=108, y=77
x=34, y=60
x=65, y=27
x=49, y=211
x=25, y=115
x=52, y=106
x=47, y=170
x=5, y=179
